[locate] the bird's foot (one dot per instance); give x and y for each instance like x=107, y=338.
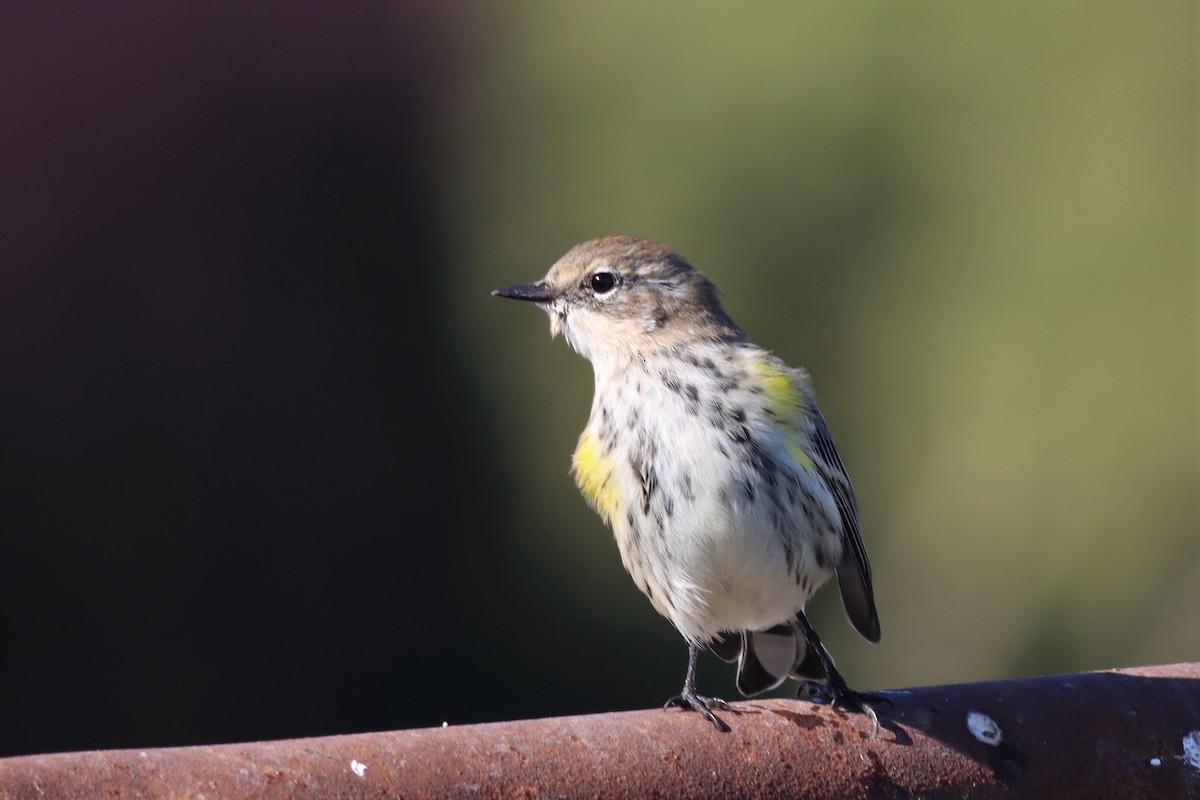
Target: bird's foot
x=836, y=694
x=690, y=701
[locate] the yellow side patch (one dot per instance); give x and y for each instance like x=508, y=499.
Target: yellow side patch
x=785, y=403
x=783, y=398
x=593, y=475
x=799, y=454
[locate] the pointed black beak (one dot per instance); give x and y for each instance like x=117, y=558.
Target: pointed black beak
x=533, y=292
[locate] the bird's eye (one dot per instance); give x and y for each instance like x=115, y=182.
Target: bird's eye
x=602, y=282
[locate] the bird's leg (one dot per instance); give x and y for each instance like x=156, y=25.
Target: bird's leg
x=834, y=690
x=688, y=699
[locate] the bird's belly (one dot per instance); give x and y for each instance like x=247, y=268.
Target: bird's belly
x=739, y=572
x=712, y=545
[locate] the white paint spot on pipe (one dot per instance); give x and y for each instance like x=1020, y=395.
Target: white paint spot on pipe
x=984, y=728
x=1191, y=750
x=358, y=769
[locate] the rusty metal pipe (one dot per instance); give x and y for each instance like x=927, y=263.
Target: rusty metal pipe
x=1121, y=734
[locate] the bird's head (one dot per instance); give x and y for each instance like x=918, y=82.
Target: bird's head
x=627, y=296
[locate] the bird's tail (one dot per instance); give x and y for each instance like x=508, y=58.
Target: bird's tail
x=767, y=658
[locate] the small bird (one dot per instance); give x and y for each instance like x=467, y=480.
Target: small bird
x=710, y=461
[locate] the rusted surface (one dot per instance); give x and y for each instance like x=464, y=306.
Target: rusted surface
x=1122, y=734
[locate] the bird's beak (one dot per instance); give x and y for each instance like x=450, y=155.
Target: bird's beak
x=533, y=292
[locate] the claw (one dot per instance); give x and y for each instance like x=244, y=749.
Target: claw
x=690, y=701
x=840, y=697
x=844, y=697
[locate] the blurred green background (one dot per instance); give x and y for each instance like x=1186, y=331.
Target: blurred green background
x=275, y=464
x=975, y=224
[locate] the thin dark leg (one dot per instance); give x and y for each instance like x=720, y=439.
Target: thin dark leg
x=835, y=688
x=688, y=699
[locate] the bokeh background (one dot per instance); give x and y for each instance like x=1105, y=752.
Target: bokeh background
x=275, y=464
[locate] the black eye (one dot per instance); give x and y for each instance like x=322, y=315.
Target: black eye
x=603, y=282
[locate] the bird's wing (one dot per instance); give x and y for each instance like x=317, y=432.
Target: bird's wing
x=789, y=400
x=854, y=570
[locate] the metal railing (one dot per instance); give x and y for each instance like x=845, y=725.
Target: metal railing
x=1124, y=734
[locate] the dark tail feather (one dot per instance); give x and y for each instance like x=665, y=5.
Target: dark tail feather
x=727, y=646
x=809, y=666
x=768, y=657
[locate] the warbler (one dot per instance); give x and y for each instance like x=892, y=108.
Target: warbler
x=710, y=461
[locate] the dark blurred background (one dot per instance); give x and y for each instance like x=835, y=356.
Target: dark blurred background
x=274, y=464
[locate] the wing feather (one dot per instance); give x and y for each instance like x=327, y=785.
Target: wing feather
x=854, y=570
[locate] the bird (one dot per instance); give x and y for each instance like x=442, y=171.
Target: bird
x=711, y=462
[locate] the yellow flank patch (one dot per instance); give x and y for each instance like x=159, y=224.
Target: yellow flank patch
x=783, y=398
x=799, y=454
x=785, y=402
x=593, y=475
